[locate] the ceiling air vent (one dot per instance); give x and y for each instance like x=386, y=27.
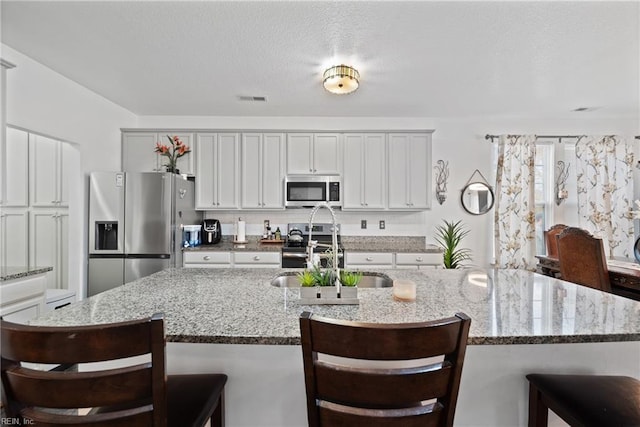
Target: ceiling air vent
x=252, y=98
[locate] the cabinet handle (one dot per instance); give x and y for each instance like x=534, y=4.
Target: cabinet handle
x=256, y=258
x=369, y=258
x=419, y=259
x=53, y=202
x=206, y=257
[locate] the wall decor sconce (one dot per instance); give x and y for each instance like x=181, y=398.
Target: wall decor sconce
x=442, y=175
x=562, y=173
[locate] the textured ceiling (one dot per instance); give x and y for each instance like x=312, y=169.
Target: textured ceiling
x=431, y=59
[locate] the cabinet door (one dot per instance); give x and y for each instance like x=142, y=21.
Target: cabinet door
x=227, y=174
x=252, y=170
x=273, y=170
x=374, y=167
x=65, y=151
x=353, y=176
x=43, y=244
x=43, y=170
x=138, y=153
x=62, y=259
x=420, y=168
x=326, y=154
x=16, y=169
x=206, y=144
x=14, y=238
x=299, y=153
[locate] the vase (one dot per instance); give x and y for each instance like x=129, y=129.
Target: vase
x=171, y=169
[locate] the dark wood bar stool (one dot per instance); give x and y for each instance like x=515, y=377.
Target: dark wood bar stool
x=584, y=400
x=582, y=259
x=139, y=394
x=348, y=393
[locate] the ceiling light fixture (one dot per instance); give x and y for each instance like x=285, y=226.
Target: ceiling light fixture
x=341, y=79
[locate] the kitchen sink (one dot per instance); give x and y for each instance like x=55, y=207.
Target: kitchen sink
x=369, y=280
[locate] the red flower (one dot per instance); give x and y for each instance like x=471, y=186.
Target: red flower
x=173, y=152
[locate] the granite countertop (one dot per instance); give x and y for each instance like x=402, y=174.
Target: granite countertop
x=403, y=244
x=11, y=273
x=239, y=306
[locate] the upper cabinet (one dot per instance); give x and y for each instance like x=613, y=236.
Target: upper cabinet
x=364, y=176
x=15, y=172
x=409, y=174
x=313, y=153
x=262, y=166
x=217, y=170
x=48, y=172
x=138, y=152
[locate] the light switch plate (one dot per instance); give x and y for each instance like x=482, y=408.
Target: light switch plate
x=363, y=224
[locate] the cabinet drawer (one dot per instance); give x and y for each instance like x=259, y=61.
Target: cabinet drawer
x=373, y=258
x=256, y=257
x=22, y=289
x=201, y=257
x=418, y=259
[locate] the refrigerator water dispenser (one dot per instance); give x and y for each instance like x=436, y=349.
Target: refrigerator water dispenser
x=106, y=235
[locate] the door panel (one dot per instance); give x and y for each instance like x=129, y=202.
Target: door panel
x=148, y=213
x=104, y=274
x=136, y=268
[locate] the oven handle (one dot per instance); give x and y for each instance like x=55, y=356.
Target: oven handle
x=293, y=255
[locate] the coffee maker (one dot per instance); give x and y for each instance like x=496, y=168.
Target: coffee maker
x=211, y=232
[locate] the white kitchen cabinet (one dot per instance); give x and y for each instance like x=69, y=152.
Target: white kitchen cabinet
x=262, y=167
x=368, y=260
x=138, y=152
x=418, y=260
x=15, y=172
x=313, y=153
x=49, y=244
x=22, y=299
x=256, y=259
x=206, y=259
x=14, y=237
x=217, y=169
x=409, y=173
x=48, y=172
x=364, y=177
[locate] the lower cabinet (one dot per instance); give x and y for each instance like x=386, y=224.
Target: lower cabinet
x=23, y=299
x=217, y=259
x=369, y=260
x=49, y=244
x=418, y=260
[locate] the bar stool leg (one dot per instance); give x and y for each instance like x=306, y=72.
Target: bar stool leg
x=538, y=411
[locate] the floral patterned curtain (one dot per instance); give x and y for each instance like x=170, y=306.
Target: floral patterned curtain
x=604, y=175
x=515, y=243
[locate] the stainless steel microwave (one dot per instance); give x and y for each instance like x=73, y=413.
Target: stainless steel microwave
x=303, y=191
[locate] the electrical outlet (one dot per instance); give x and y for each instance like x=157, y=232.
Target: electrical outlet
x=382, y=224
x=363, y=223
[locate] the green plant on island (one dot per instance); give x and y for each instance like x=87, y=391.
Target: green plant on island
x=350, y=278
x=322, y=277
x=306, y=279
x=449, y=237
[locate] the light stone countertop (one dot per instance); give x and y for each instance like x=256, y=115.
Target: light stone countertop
x=12, y=273
x=239, y=306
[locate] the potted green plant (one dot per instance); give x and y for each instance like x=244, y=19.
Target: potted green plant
x=449, y=237
x=306, y=279
x=317, y=286
x=350, y=278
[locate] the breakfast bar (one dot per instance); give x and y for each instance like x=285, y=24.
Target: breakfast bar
x=235, y=321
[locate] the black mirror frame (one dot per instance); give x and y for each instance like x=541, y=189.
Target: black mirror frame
x=493, y=198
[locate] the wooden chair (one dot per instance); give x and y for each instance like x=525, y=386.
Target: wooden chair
x=551, y=241
x=582, y=259
x=139, y=394
x=584, y=400
x=349, y=394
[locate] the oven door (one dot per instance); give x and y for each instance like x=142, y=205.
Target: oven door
x=299, y=260
x=305, y=193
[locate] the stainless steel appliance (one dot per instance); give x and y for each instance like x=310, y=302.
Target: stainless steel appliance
x=135, y=225
x=305, y=191
x=294, y=251
x=211, y=232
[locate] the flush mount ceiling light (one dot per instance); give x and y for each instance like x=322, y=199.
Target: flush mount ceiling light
x=341, y=79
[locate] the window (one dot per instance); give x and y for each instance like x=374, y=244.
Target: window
x=544, y=176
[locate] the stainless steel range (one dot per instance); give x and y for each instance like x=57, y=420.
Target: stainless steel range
x=294, y=251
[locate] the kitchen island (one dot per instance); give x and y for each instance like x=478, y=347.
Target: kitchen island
x=234, y=321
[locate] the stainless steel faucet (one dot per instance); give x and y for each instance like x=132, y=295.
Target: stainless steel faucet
x=334, y=243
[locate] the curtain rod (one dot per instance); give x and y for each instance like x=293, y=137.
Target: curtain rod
x=558, y=137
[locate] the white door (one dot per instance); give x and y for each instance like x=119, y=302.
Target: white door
x=251, y=166
x=273, y=171
x=206, y=170
x=326, y=154
x=16, y=169
x=43, y=245
x=138, y=152
x=14, y=239
x=353, y=176
x=374, y=176
x=43, y=170
x=299, y=153
x=227, y=174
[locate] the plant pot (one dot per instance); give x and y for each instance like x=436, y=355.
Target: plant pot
x=328, y=295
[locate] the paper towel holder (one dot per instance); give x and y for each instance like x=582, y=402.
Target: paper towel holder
x=239, y=235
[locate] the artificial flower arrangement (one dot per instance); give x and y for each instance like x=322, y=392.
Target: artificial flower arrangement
x=173, y=152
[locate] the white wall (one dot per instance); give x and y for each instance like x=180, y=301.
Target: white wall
x=44, y=102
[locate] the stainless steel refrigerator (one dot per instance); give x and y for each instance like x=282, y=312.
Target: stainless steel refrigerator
x=135, y=225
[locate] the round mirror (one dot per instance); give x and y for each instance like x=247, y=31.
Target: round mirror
x=477, y=198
